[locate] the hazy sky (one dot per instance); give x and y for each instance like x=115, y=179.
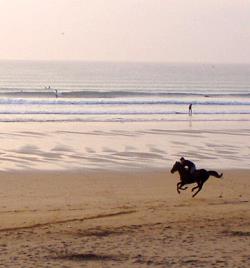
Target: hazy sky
x=126, y=30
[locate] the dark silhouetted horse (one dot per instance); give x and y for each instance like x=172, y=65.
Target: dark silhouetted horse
x=199, y=177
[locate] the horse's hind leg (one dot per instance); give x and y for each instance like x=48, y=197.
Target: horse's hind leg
x=199, y=188
x=195, y=188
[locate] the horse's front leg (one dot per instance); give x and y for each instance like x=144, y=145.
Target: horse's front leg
x=185, y=188
x=178, y=186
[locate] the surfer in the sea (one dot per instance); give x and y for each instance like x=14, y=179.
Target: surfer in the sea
x=190, y=109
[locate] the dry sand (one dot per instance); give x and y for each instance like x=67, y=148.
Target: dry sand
x=123, y=219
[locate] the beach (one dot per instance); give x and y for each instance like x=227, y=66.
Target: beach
x=122, y=219
x=102, y=195
x=85, y=159
x=124, y=134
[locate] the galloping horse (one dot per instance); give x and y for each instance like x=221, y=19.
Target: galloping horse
x=199, y=177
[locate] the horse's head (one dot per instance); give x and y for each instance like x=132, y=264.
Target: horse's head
x=175, y=167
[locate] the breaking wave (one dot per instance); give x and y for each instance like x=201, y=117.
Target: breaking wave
x=131, y=101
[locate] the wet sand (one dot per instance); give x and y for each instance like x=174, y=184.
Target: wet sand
x=122, y=146
x=123, y=219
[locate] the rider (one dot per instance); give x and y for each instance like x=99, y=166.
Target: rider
x=189, y=164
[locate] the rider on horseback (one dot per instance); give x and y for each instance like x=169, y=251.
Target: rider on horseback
x=189, y=165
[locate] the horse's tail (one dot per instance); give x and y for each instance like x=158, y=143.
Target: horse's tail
x=215, y=174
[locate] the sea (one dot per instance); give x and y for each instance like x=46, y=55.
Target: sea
x=44, y=91
x=100, y=115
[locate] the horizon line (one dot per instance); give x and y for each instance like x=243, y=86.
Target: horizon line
x=128, y=61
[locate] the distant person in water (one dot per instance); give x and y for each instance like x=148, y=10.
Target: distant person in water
x=56, y=93
x=190, y=109
x=189, y=165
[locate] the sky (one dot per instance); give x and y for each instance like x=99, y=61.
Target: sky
x=216, y=31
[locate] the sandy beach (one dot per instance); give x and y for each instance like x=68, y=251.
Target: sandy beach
x=123, y=219
x=99, y=101
x=102, y=195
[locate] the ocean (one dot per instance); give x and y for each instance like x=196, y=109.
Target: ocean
x=96, y=115
x=43, y=91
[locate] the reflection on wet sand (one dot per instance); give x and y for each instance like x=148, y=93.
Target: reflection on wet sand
x=115, y=145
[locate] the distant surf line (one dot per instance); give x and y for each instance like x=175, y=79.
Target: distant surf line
x=21, y=101
x=122, y=113
x=118, y=120
x=85, y=93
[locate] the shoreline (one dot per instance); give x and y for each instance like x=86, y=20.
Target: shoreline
x=64, y=146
